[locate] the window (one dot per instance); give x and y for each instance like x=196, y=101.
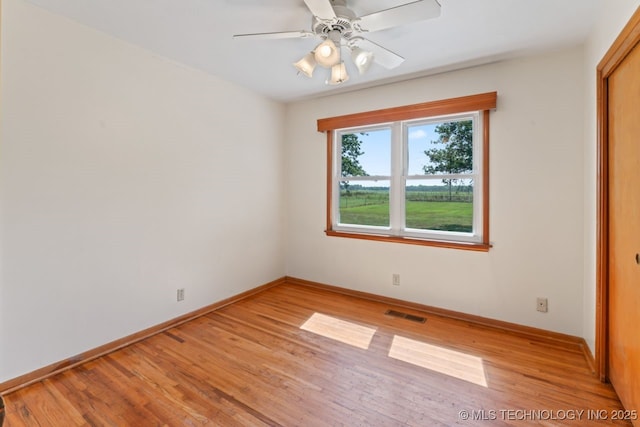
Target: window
x=416, y=174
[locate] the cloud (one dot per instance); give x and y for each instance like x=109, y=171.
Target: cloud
x=417, y=134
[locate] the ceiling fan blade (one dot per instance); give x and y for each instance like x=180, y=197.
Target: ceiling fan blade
x=411, y=12
x=321, y=8
x=381, y=55
x=274, y=36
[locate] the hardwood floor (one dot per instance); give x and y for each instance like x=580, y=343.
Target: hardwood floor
x=251, y=364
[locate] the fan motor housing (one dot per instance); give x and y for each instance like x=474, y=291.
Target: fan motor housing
x=341, y=23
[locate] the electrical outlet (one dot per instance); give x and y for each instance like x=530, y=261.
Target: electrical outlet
x=395, y=281
x=180, y=294
x=542, y=305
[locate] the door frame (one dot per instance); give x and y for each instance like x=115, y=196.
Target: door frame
x=624, y=43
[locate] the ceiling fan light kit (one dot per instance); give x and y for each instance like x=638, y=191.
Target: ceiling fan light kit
x=337, y=26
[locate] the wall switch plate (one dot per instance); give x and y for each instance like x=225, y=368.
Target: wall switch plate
x=180, y=294
x=395, y=279
x=542, y=305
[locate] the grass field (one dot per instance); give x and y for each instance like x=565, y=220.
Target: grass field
x=430, y=211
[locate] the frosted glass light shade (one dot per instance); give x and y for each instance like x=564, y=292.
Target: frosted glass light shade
x=327, y=54
x=362, y=59
x=338, y=74
x=306, y=65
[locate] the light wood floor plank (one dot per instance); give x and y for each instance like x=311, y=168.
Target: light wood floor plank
x=251, y=364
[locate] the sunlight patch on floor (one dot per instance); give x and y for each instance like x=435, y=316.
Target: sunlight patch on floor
x=445, y=361
x=339, y=330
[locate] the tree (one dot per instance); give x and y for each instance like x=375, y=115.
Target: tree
x=350, y=153
x=457, y=154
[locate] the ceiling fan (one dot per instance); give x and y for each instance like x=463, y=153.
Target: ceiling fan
x=338, y=26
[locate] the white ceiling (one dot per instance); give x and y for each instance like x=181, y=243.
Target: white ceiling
x=198, y=33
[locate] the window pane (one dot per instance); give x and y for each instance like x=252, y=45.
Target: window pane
x=440, y=148
x=366, y=153
x=439, y=204
x=364, y=203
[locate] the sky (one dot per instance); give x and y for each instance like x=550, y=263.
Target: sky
x=376, y=146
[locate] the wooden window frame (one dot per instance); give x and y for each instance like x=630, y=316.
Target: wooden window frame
x=473, y=103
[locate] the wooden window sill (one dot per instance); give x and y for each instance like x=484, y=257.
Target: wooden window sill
x=478, y=247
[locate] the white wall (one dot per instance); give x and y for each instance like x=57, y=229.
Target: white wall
x=536, y=199
x=613, y=17
x=124, y=176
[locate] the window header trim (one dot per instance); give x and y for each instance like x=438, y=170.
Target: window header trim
x=479, y=102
